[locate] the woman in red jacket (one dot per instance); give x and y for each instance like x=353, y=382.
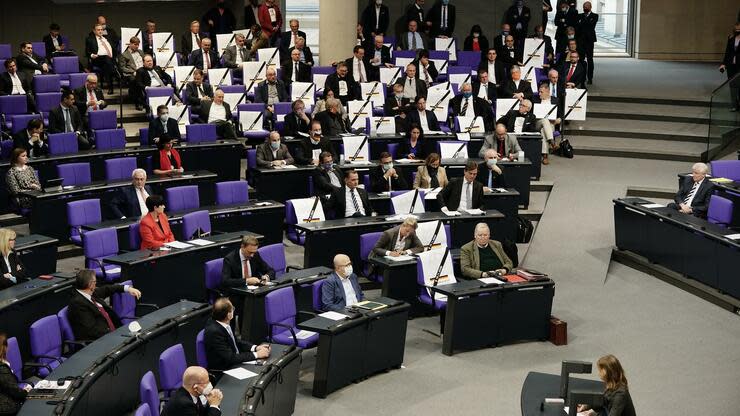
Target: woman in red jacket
x=154, y=228
x=167, y=160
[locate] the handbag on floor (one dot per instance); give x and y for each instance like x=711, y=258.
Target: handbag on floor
x=566, y=150
x=525, y=228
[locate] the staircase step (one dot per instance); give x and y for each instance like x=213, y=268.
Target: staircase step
x=639, y=129
x=637, y=148
x=647, y=100
x=648, y=112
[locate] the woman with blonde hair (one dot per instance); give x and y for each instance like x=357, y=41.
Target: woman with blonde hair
x=11, y=396
x=431, y=174
x=617, y=399
x=11, y=269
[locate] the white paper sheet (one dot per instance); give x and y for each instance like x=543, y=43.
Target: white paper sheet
x=447, y=150
x=240, y=373
x=425, y=233
x=303, y=334
x=177, y=244
x=468, y=125
x=475, y=211
x=542, y=110
x=447, y=44
x=302, y=208
x=382, y=125
x=430, y=262
x=403, y=257
x=733, y=236
x=388, y=76
x=334, y=316
x=219, y=76
x=351, y=144
x=579, y=109
x=438, y=101
x=452, y=213
x=163, y=42
x=200, y=242
x=402, y=203
x=126, y=34
x=358, y=112
x=375, y=91
x=490, y=280
x=533, y=49
x=250, y=120
x=653, y=206
x=113, y=270
x=254, y=73
x=52, y=385
x=304, y=91
x=223, y=41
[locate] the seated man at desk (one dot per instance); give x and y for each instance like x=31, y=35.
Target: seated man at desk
x=422, y=117
x=483, y=257
x=462, y=193
x=350, y=200
x=89, y=315
x=693, y=195
x=272, y=153
x=398, y=240
x=163, y=125
x=466, y=104
x=32, y=138
x=131, y=200
x=341, y=289
x=11, y=269
x=297, y=121
x=333, y=122
x=489, y=173
x=311, y=147
x=505, y=144
x=218, y=112
x=385, y=177
x=326, y=177
x=244, y=266
x=154, y=228
x=397, y=105
x=223, y=349
x=195, y=397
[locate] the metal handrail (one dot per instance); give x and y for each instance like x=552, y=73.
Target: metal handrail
x=724, y=83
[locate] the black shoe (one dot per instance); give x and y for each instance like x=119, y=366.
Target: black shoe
x=590, y=82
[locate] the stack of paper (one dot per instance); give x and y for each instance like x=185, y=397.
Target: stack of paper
x=733, y=236
x=399, y=258
x=240, y=373
x=490, y=280
x=475, y=211
x=452, y=213
x=200, y=242
x=334, y=316
x=303, y=334
x=177, y=244
x=653, y=206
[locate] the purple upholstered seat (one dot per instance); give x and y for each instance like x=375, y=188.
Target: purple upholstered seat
x=98, y=245
x=110, y=139
x=79, y=213
x=232, y=192
x=199, y=133
x=729, y=169
x=424, y=295
x=172, y=365
x=200, y=349
x=46, y=344
x=213, y=269
x=102, y=119
x=367, y=242
x=75, y=174
x=280, y=314
x=181, y=198
x=720, y=211
x=274, y=256
x=119, y=168
x=196, y=224
x=63, y=143
x=149, y=393
x=47, y=83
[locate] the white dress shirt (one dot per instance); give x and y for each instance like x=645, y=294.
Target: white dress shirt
x=10, y=270
x=194, y=41
x=154, y=81
x=349, y=206
x=698, y=185
x=17, y=84
x=463, y=196
x=483, y=91
x=409, y=90
x=141, y=196
x=492, y=72
x=423, y=120
x=358, y=70
x=470, y=111
x=218, y=112
x=350, y=296
x=377, y=17
x=103, y=47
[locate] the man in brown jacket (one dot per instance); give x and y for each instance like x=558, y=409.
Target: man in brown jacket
x=483, y=256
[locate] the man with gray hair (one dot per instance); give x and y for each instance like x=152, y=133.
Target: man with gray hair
x=131, y=200
x=270, y=91
x=398, y=240
x=483, y=257
x=466, y=104
x=516, y=87
x=693, y=195
x=89, y=97
x=333, y=123
x=237, y=53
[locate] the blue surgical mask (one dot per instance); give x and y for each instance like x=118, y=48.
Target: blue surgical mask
x=491, y=162
x=445, y=2
x=275, y=145
x=327, y=166
x=387, y=166
x=467, y=94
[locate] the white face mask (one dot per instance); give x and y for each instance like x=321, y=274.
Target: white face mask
x=378, y=2
x=207, y=389
x=348, y=270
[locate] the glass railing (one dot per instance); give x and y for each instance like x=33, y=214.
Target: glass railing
x=724, y=119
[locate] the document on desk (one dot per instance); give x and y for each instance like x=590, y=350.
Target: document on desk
x=452, y=213
x=474, y=211
x=407, y=161
x=734, y=237
x=334, y=316
x=177, y=244
x=567, y=408
x=53, y=385
x=399, y=258
x=200, y=242
x=240, y=373
x=303, y=334
x=263, y=204
x=286, y=167
x=113, y=270
x=490, y=280
x=653, y=206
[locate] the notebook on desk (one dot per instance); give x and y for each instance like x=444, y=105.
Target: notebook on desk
x=53, y=185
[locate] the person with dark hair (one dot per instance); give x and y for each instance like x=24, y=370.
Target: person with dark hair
x=385, y=177
x=476, y=41
x=617, y=399
x=219, y=19
x=495, y=69
x=343, y=84
x=375, y=19
x=244, y=266
x=190, y=40
x=67, y=119
x=327, y=178
x=89, y=315
x=731, y=63
x=13, y=82
x=350, y=200
x=310, y=148
x=224, y=350
x=416, y=146
x=297, y=121
x=154, y=228
x=147, y=36
x=420, y=116
x=100, y=52
x=518, y=16
x=426, y=69
x=54, y=42
x=413, y=39
x=21, y=177
x=11, y=396
x=359, y=67
x=163, y=126
x=167, y=160
x=440, y=20
x=462, y=193
x=197, y=91
x=32, y=138
x=415, y=12
x=29, y=63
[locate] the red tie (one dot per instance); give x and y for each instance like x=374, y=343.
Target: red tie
x=570, y=72
x=93, y=100
x=208, y=60
x=247, y=275
x=105, y=315
x=105, y=45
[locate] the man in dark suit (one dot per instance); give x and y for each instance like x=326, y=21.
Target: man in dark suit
x=163, y=126
x=586, y=31
x=547, y=49
x=218, y=112
x=375, y=19
x=528, y=120
x=500, y=40
x=14, y=82
x=398, y=241
x=379, y=56
x=516, y=87
x=298, y=121
x=29, y=63
x=415, y=12
x=426, y=69
x=385, y=177
x=413, y=39
x=237, y=53
x=197, y=92
x=327, y=178
x=484, y=89
x=89, y=97
x=466, y=104
x=89, y=315
x=412, y=86
x=305, y=51
x=731, y=63
x=108, y=32
x=32, y=138
x=359, y=68
x=272, y=153
x=310, y=148
x=441, y=20
x=335, y=293
x=245, y=266
x=462, y=193
x=349, y=200
x=219, y=19
x=333, y=122
x=190, y=40
x=573, y=72
x=100, y=52
x=496, y=69
x=396, y=105
x=269, y=92
x=565, y=17
x=342, y=84
x=518, y=16
x=426, y=119
x=204, y=58
x=290, y=37
x=196, y=397
x=295, y=70
x=150, y=75
x=66, y=119
x=489, y=173
x=693, y=195
x=512, y=53
x=130, y=201
x=223, y=349
x=54, y=42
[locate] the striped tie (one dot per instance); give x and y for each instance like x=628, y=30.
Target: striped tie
x=691, y=193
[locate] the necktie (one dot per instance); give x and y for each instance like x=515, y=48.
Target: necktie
x=464, y=108
x=554, y=90
x=354, y=200
x=468, y=200
x=233, y=340
x=200, y=91
x=490, y=179
x=67, y=121
x=93, y=100
x=444, y=17
x=105, y=315
x=208, y=60
x=295, y=72
x=105, y=45
x=426, y=75
x=359, y=71
x=247, y=270
x=413, y=40
x=197, y=39
x=570, y=71
x=691, y=193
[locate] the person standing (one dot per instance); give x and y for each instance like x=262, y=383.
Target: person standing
x=731, y=64
x=586, y=31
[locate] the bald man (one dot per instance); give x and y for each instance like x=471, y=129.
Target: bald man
x=204, y=58
x=341, y=288
x=269, y=92
x=196, y=397
x=224, y=350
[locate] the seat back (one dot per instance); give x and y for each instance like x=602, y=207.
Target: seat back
x=134, y=237
x=47, y=101
x=393, y=149
x=6, y=51
x=47, y=83
x=195, y=223
x=720, y=211
x=75, y=174
x=82, y=212
x=46, y=340
x=102, y=119
x=64, y=325
x=729, y=169
x=119, y=168
x=14, y=104
x=367, y=242
x=280, y=309
x=199, y=133
x=232, y=192
x=13, y=355
x=63, y=143
x=290, y=221
x=468, y=58
x=180, y=198
x=65, y=64
x=251, y=158
x=144, y=136
x=316, y=286
x=110, y=139
x=143, y=410
x=124, y=304
x=77, y=79
x=200, y=349
x=420, y=200
x=172, y=365
x=99, y=244
x=148, y=392
x=213, y=272
x=39, y=48
x=158, y=91
x=274, y=256
x=20, y=121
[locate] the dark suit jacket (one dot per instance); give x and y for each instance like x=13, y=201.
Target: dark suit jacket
x=11, y=396
x=41, y=148
x=307, y=55
x=49, y=44
x=156, y=130
x=508, y=89
x=86, y=320
x=196, y=59
x=491, y=91
x=412, y=13
x=385, y=58
x=432, y=69
x=221, y=352
x=191, y=92
x=586, y=29
x=700, y=203
x=81, y=98
x=391, y=107
x=482, y=43
x=380, y=184
x=351, y=66
x=481, y=107
x=579, y=74
x=370, y=20
x=264, y=155
x=403, y=40
x=205, y=111
x=498, y=180
x=6, y=85
x=353, y=89
x=511, y=56
x=322, y=183
x=293, y=125
x=286, y=37
x=304, y=151
x=181, y=404
x=326, y=119
x=304, y=72
x=731, y=52
x=563, y=20
x=336, y=202
x=434, y=15
x=499, y=67
x=186, y=42
x=232, y=269
x=16, y=269
x=387, y=242
x=26, y=66
x=91, y=45
x=449, y=196
x=261, y=93
x=513, y=17
x=530, y=121
x=56, y=119
x=143, y=79
x=332, y=292
x=126, y=204
x=421, y=87
x=432, y=122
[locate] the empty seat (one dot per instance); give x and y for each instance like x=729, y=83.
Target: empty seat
x=62, y=143
x=119, y=168
x=232, y=192
x=74, y=174
x=110, y=139
x=181, y=198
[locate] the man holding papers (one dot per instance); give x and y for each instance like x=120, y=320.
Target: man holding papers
x=505, y=144
x=462, y=193
x=244, y=266
x=484, y=89
x=333, y=123
x=483, y=257
x=385, y=177
x=398, y=241
x=341, y=288
x=272, y=153
x=522, y=120
x=350, y=200
x=223, y=349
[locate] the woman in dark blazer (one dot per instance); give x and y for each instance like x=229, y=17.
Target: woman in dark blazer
x=154, y=228
x=11, y=396
x=415, y=147
x=617, y=399
x=11, y=269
